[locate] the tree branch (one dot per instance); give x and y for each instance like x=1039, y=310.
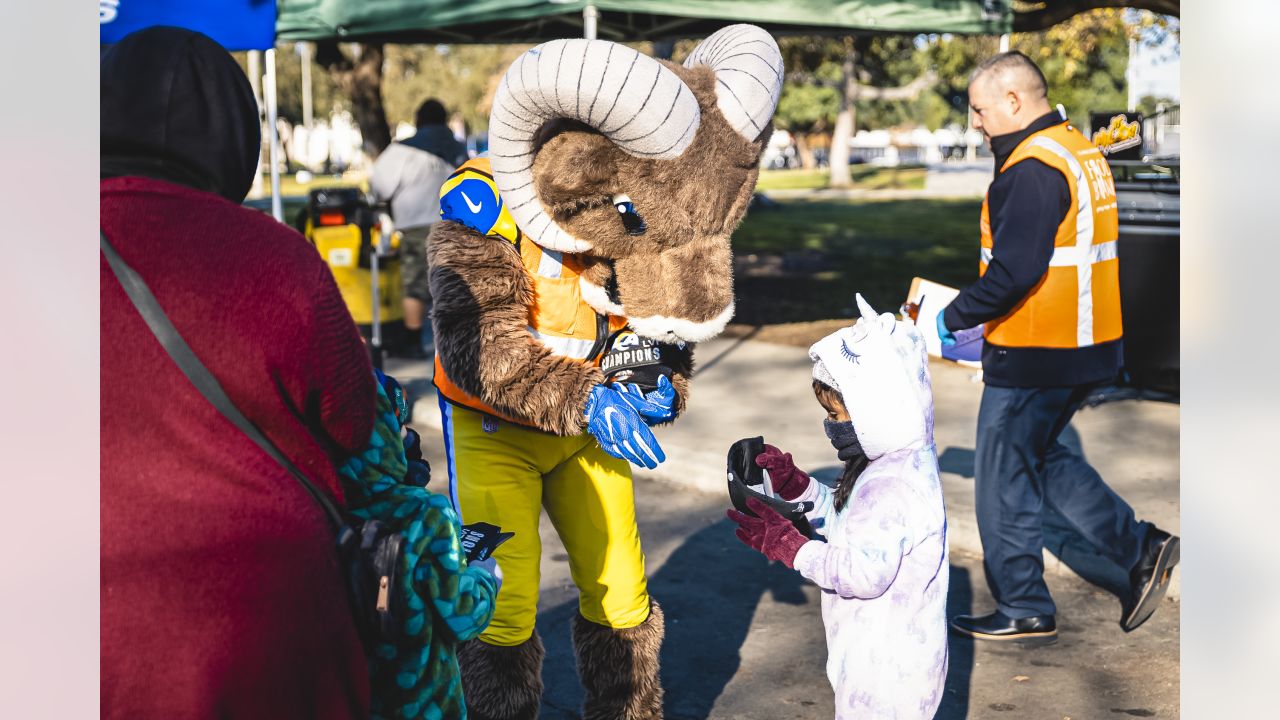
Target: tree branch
x=907, y=92
x=360, y=79
x=1047, y=13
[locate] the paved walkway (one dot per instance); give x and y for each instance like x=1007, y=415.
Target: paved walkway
x=744, y=388
x=744, y=636
x=960, y=179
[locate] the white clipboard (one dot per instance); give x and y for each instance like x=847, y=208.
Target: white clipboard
x=932, y=297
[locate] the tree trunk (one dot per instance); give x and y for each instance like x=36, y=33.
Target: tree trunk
x=360, y=79
x=807, y=160
x=846, y=120
x=842, y=135
x=1051, y=12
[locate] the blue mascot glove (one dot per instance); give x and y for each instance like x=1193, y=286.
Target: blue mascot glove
x=620, y=429
x=947, y=337
x=657, y=406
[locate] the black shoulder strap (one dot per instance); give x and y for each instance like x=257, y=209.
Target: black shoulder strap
x=199, y=375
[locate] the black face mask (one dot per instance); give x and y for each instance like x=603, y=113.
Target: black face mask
x=844, y=439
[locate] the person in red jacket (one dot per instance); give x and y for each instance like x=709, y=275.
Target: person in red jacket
x=221, y=593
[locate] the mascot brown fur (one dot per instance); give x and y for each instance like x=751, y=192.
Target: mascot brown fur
x=682, y=144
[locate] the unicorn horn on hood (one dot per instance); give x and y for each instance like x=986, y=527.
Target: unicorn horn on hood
x=868, y=313
x=864, y=307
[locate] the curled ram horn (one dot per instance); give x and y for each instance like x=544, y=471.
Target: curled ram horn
x=640, y=105
x=749, y=73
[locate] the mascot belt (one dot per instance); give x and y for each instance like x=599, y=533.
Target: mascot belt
x=560, y=319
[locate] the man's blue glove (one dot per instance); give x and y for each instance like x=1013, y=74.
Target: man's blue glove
x=947, y=337
x=620, y=429
x=657, y=406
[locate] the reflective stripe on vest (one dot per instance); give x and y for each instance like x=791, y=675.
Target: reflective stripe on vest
x=1069, y=255
x=552, y=264
x=559, y=318
x=578, y=349
x=1085, y=241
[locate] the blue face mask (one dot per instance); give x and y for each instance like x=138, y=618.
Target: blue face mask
x=844, y=439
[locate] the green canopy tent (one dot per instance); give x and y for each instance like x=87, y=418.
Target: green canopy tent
x=533, y=21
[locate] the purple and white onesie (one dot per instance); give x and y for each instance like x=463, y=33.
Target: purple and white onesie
x=883, y=570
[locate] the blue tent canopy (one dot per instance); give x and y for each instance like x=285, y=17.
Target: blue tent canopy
x=233, y=24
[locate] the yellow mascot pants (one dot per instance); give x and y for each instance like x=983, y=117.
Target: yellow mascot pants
x=502, y=473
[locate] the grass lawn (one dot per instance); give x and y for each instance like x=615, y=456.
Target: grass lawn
x=907, y=177
x=804, y=260
x=866, y=177
x=289, y=184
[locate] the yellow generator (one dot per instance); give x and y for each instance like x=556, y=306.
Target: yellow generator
x=345, y=230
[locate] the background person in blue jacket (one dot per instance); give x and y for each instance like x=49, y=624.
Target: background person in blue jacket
x=1049, y=297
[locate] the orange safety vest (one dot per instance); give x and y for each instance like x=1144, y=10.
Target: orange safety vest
x=559, y=318
x=1077, y=302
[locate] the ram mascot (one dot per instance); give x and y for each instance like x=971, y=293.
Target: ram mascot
x=572, y=273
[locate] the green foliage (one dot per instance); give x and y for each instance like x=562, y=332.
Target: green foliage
x=1083, y=59
x=463, y=77
x=1148, y=104
x=807, y=108
x=811, y=99
x=325, y=95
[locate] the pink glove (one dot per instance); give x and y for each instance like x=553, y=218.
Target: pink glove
x=789, y=481
x=770, y=533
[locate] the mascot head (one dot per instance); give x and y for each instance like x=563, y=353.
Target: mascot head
x=642, y=166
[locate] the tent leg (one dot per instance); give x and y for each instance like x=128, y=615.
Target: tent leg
x=305, y=52
x=255, y=81
x=590, y=16
x=277, y=209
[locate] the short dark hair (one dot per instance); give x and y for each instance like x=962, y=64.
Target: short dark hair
x=431, y=112
x=1013, y=61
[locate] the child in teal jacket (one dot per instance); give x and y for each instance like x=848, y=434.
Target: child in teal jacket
x=447, y=601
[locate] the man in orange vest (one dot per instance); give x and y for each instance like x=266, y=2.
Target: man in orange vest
x=1049, y=296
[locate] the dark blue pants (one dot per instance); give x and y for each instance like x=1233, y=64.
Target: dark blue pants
x=1020, y=465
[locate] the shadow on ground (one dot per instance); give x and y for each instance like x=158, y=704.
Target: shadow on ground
x=709, y=588
x=955, y=697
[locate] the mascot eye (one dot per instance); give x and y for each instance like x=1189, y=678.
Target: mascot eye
x=631, y=220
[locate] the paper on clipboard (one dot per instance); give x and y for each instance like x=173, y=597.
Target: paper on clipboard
x=932, y=297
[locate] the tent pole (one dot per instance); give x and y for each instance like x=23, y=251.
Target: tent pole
x=590, y=16
x=1131, y=75
x=255, y=81
x=305, y=51
x=277, y=210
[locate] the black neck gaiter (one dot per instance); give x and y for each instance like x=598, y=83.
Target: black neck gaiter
x=844, y=439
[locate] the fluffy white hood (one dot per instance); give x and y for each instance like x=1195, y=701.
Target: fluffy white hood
x=880, y=367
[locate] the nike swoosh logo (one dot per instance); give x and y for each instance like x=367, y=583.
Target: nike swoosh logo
x=609, y=413
x=474, y=207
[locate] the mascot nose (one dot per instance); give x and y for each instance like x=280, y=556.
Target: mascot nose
x=669, y=329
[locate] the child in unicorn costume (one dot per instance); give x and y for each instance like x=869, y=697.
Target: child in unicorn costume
x=883, y=568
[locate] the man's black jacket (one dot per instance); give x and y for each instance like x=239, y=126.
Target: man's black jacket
x=1026, y=203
